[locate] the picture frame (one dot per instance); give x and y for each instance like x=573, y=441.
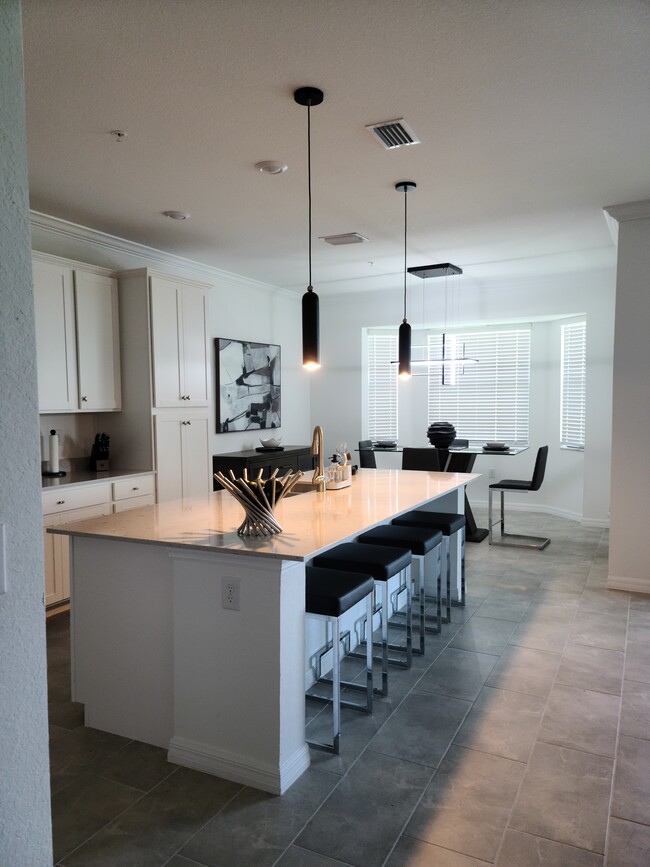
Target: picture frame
x=248, y=385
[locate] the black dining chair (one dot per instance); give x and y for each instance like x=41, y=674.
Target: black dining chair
x=367, y=455
x=420, y=459
x=521, y=486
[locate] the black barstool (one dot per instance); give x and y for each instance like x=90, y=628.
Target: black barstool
x=329, y=594
x=383, y=563
x=420, y=541
x=449, y=523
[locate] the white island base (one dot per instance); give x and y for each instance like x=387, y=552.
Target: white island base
x=157, y=658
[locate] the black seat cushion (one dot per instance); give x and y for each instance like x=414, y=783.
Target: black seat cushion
x=380, y=562
x=332, y=592
x=512, y=485
x=446, y=522
x=419, y=539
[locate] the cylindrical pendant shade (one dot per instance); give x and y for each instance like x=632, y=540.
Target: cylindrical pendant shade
x=310, y=331
x=404, y=350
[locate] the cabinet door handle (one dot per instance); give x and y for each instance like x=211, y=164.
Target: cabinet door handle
x=84, y=399
x=188, y=397
x=135, y=489
x=60, y=502
x=189, y=422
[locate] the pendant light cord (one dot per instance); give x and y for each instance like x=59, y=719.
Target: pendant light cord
x=405, y=225
x=310, y=288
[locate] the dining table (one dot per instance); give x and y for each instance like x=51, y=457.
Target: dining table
x=461, y=459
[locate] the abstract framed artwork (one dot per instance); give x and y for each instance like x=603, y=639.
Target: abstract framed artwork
x=248, y=385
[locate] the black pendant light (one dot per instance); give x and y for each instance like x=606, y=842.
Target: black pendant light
x=404, y=340
x=309, y=96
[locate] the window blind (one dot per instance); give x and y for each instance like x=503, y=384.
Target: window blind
x=382, y=386
x=573, y=369
x=488, y=400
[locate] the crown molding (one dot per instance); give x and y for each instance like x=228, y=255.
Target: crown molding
x=629, y=211
x=159, y=258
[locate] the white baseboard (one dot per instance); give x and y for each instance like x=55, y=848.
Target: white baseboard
x=602, y=523
x=632, y=585
x=202, y=757
x=546, y=510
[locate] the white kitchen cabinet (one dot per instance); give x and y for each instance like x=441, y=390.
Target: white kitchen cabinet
x=55, y=337
x=98, y=350
x=182, y=455
x=63, y=504
x=77, y=340
x=179, y=343
x=60, y=506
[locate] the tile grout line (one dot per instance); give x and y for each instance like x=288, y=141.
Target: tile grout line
x=618, y=738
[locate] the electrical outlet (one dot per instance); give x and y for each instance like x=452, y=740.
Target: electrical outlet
x=230, y=593
x=491, y=474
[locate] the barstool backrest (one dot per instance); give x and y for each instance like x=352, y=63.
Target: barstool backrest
x=366, y=455
x=420, y=459
x=540, y=469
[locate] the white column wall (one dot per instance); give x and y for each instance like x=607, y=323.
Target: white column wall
x=629, y=551
x=25, y=828
x=577, y=484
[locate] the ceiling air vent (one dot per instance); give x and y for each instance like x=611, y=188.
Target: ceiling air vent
x=393, y=134
x=348, y=238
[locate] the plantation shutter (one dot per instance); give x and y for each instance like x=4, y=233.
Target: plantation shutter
x=382, y=386
x=573, y=372
x=488, y=400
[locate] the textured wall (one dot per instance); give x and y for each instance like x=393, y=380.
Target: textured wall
x=25, y=836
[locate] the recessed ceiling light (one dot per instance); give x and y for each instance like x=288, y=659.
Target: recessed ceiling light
x=271, y=167
x=177, y=215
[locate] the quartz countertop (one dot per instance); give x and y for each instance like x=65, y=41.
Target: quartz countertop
x=312, y=521
x=77, y=475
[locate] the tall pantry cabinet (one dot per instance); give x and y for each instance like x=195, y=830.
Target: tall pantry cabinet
x=166, y=381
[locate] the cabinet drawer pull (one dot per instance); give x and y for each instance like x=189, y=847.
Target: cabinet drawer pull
x=60, y=502
x=135, y=489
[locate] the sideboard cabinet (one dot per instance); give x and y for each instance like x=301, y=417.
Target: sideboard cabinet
x=290, y=458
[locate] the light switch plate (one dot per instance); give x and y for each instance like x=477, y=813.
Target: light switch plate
x=3, y=561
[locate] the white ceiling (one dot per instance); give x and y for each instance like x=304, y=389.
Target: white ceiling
x=533, y=116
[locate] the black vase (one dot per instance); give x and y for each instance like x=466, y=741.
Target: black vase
x=441, y=434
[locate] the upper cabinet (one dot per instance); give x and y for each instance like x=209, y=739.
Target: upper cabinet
x=179, y=343
x=77, y=337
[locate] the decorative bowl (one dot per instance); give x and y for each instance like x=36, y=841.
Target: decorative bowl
x=441, y=434
x=493, y=446
x=271, y=442
x=258, y=498
x=386, y=444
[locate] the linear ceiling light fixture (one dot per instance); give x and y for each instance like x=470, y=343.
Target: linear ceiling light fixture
x=404, y=340
x=309, y=96
x=450, y=360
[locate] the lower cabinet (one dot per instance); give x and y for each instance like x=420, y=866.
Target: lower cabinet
x=182, y=455
x=64, y=504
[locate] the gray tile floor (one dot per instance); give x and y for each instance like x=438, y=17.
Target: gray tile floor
x=521, y=738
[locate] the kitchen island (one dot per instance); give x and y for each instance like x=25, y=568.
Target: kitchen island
x=156, y=655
